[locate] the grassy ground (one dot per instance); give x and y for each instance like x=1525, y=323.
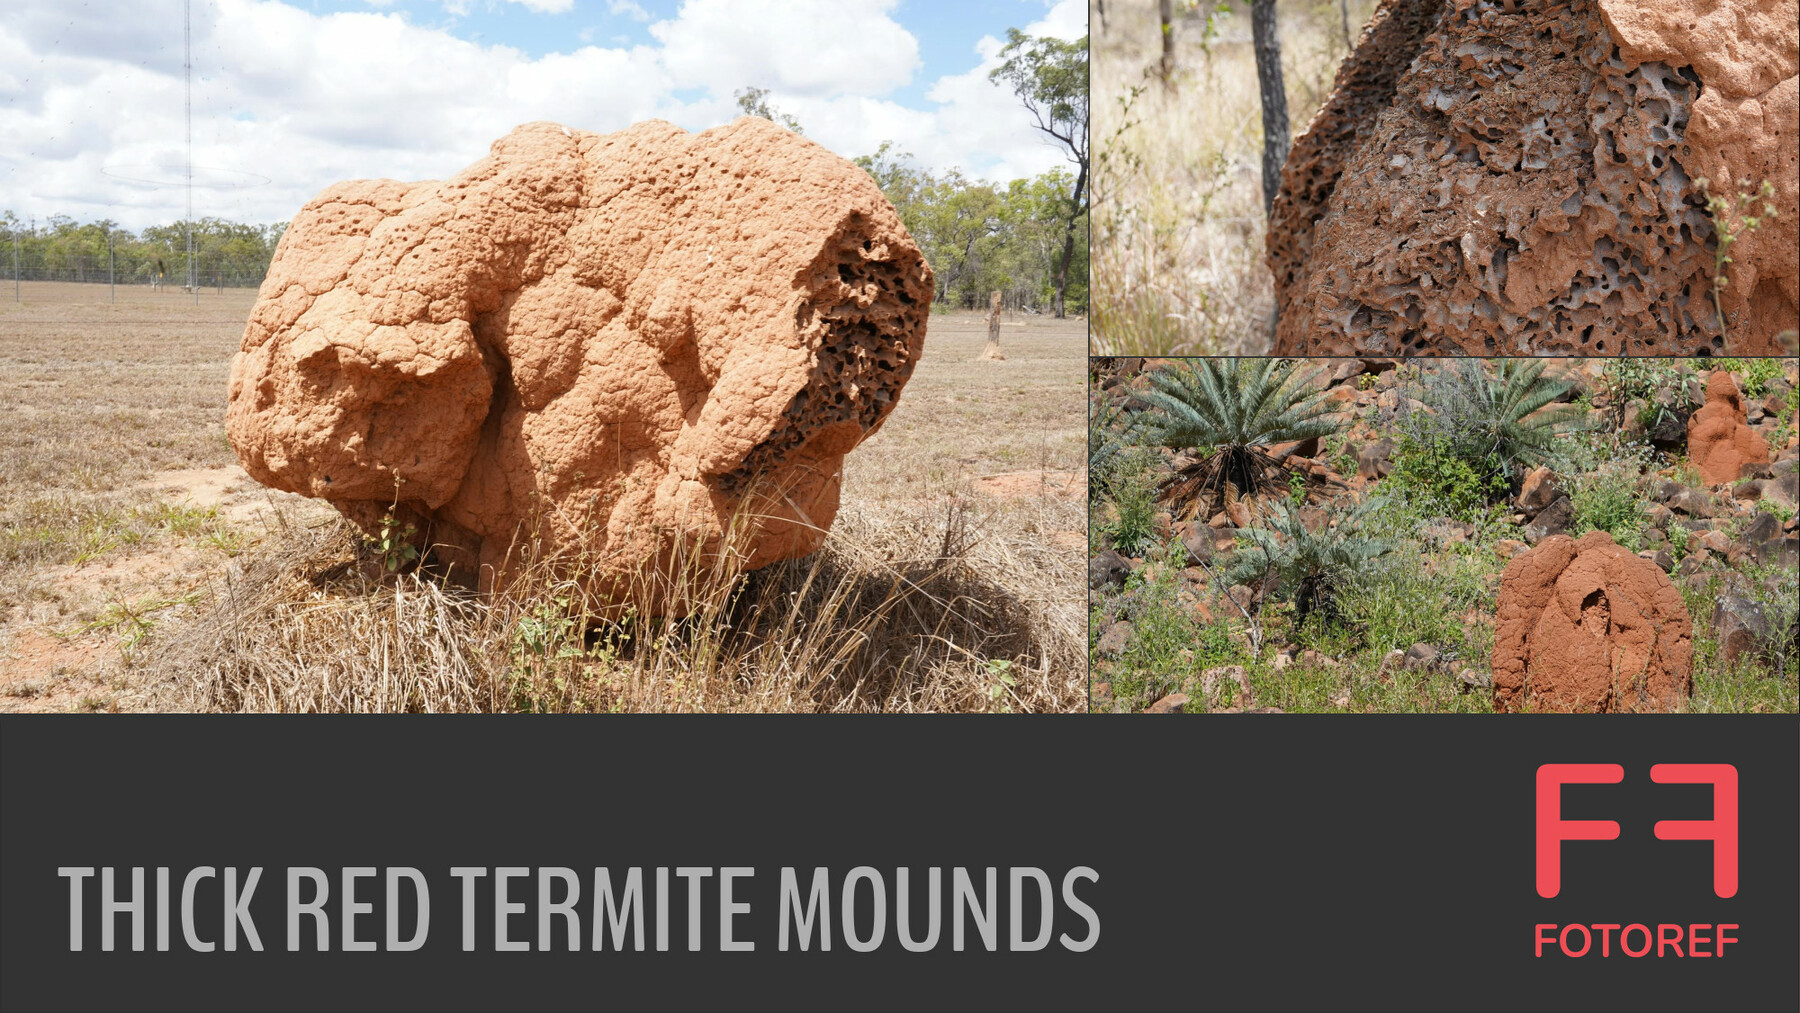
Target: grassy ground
x=1178, y=215
x=141, y=569
x=1437, y=586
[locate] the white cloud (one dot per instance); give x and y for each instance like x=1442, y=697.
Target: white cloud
x=1067, y=19
x=629, y=8
x=804, y=47
x=307, y=99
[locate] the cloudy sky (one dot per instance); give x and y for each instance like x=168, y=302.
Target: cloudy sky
x=303, y=93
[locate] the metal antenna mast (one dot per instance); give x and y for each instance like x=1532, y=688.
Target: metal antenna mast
x=187, y=66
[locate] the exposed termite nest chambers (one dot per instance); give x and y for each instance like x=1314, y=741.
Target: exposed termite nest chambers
x=1491, y=178
x=866, y=299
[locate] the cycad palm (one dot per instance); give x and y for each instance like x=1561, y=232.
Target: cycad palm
x=1510, y=416
x=1313, y=563
x=1237, y=408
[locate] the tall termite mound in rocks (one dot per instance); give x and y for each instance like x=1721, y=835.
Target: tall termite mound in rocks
x=1497, y=177
x=1719, y=438
x=612, y=346
x=1587, y=626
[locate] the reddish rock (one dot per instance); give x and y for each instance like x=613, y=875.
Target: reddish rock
x=609, y=344
x=1587, y=626
x=1521, y=178
x=1538, y=490
x=1238, y=511
x=1741, y=627
x=1784, y=489
x=1714, y=541
x=1552, y=520
x=1719, y=442
x=1112, y=642
x=1372, y=461
x=1174, y=703
x=1391, y=663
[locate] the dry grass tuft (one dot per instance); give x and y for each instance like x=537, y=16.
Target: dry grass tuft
x=869, y=623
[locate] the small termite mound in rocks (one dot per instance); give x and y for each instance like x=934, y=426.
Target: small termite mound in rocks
x=1585, y=626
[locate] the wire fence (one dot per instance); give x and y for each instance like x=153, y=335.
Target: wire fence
x=209, y=272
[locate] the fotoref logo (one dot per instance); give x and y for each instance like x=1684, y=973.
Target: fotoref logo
x=1637, y=939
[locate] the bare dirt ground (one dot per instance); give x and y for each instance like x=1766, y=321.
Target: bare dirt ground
x=123, y=510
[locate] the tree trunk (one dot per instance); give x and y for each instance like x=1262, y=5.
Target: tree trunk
x=1061, y=268
x=1344, y=7
x=1166, y=10
x=1274, y=97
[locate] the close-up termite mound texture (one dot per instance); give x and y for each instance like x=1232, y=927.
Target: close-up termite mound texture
x=1520, y=177
x=615, y=349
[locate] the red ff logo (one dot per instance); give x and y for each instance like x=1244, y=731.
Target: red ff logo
x=1722, y=829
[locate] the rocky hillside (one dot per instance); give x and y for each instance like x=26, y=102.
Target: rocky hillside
x=1358, y=566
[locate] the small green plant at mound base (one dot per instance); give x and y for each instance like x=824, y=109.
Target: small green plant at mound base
x=1001, y=683
x=393, y=546
x=544, y=637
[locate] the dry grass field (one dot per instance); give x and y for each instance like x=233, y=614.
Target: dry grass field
x=1178, y=263
x=141, y=569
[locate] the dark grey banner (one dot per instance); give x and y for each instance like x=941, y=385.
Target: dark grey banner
x=688, y=862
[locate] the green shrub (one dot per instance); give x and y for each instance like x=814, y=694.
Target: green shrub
x=1163, y=628
x=1396, y=603
x=1606, y=500
x=1638, y=378
x=1756, y=372
x=1511, y=418
x=1782, y=511
x=1108, y=444
x=1133, y=493
x=1433, y=471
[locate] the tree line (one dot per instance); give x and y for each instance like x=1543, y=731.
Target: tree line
x=981, y=237
x=1026, y=239
x=58, y=248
